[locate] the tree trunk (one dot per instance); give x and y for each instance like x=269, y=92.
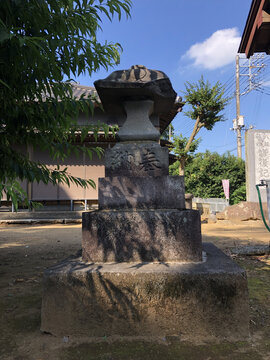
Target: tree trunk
x=182, y=166
x=192, y=136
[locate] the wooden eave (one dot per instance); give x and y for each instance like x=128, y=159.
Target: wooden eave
x=256, y=35
x=166, y=119
x=103, y=139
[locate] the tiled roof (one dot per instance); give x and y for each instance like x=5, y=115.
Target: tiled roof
x=79, y=90
x=165, y=120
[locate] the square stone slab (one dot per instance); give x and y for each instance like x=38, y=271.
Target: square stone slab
x=146, y=235
x=125, y=192
x=195, y=301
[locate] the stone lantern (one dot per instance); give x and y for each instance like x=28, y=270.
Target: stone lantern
x=144, y=270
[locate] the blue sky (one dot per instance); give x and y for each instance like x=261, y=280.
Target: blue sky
x=187, y=39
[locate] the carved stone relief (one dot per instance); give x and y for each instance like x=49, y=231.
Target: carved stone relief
x=146, y=161
x=262, y=156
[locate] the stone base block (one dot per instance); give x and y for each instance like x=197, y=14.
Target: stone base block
x=124, y=192
x=158, y=235
x=196, y=301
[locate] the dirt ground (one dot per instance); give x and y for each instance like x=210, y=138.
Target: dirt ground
x=26, y=250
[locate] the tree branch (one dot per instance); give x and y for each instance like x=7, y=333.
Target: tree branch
x=193, y=134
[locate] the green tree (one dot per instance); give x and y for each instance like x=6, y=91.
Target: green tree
x=206, y=102
x=178, y=147
x=43, y=42
x=204, y=174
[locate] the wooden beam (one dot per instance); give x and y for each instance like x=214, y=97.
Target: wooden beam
x=250, y=41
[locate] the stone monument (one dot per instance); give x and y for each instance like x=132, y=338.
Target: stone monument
x=144, y=270
x=257, y=162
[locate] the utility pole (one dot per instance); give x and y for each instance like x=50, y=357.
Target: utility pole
x=238, y=126
x=253, y=71
x=170, y=132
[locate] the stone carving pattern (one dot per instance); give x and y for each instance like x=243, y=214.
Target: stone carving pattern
x=120, y=157
x=262, y=156
x=148, y=161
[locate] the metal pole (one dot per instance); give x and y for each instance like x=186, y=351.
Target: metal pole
x=238, y=127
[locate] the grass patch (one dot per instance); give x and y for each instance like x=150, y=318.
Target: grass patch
x=258, y=289
x=257, y=269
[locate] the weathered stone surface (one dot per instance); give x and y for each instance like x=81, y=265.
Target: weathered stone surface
x=160, y=235
x=136, y=83
x=188, y=201
x=243, y=211
x=122, y=192
x=142, y=159
x=202, y=301
x=138, y=125
x=251, y=250
x=257, y=162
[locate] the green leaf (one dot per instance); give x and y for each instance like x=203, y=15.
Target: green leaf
x=43, y=43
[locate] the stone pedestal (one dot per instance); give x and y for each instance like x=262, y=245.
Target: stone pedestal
x=204, y=300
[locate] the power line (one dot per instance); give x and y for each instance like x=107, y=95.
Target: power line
x=235, y=148
x=252, y=72
x=220, y=146
x=262, y=91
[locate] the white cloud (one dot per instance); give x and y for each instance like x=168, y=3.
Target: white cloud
x=266, y=83
x=216, y=51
